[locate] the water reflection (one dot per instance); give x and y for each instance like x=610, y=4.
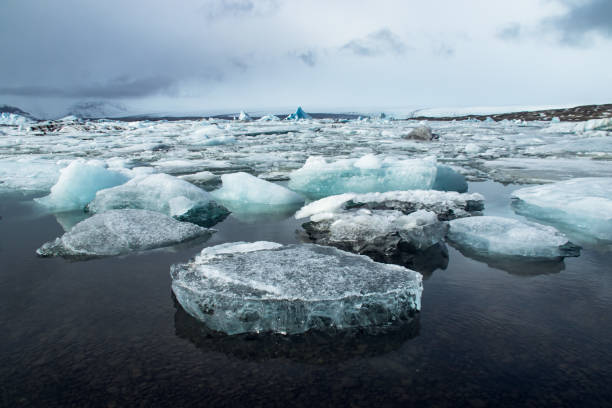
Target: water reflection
x=318, y=348
x=516, y=265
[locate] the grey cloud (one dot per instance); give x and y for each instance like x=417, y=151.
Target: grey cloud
x=444, y=50
x=510, y=32
x=122, y=87
x=309, y=58
x=377, y=43
x=583, y=18
x=216, y=9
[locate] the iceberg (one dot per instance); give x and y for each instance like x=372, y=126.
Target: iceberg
x=582, y=205
x=118, y=232
x=319, y=178
x=244, y=193
x=245, y=117
x=268, y=287
x=78, y=184
x=446, y=205
x=385, y=236
x=491, y=236
x=299, y=114
x=420, y=133
x=165, y=194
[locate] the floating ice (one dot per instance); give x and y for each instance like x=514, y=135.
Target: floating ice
x=28, y=174
x=446, y=205
x=318, y=178
x=244, y=117
x=165, y=194
x=582, y=204
x=299, y=114
x=595, y=124
x=420, y=133
x=121, y=231
x=78, y=184
x=266, y=287
x=243, y=193
x=489, y=235
x=268, y=118
x=385, y=236
x=7, y=118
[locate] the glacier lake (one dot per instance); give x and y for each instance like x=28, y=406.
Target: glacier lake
x=492, y=330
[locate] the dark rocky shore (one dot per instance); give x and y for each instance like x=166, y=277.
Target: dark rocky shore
x=575, y=114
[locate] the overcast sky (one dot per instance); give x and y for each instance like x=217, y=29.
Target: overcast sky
x=228, y=55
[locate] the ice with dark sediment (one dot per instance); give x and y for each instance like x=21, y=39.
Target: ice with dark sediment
x=244, y=193
x=119, y=232
x=384, y=235
x=165, y=194
x=583, y=205
x=268, y=287
x=446, y=205
x=494, y=236
x=402, y=227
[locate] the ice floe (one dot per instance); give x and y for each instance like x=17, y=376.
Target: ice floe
x=244, y=193
x=162, y=193
x=320, y=178
x=118, y=232
x=446, y=205
x=583, y=205
x=491, y=236
x=267, y=287
x=78, y=184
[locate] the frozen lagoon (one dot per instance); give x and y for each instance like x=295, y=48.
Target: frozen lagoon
x=483, y=332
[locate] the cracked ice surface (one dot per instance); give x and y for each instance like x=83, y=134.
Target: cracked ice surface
x=267, y=287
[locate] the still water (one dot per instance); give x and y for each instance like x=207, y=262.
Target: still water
x=107, y=332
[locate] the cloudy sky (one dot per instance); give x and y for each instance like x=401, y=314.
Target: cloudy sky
x=226, y=55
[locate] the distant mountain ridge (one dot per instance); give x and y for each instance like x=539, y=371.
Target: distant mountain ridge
x=16, y=111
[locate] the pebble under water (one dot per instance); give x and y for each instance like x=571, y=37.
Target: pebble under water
x=108, y=332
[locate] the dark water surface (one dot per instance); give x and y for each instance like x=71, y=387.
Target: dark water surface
x=106, y=332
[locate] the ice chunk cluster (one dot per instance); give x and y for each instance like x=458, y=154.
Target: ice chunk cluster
x=118, y=232
x=402, y=227
x=244, y=193
x=267, y=287
x=78, y=184
x=446, y=205
x=319, y=178
x=490, y=235
x=583, y=205
x=165, y=194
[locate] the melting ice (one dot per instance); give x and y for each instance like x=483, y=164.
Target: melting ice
x=267, y=287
